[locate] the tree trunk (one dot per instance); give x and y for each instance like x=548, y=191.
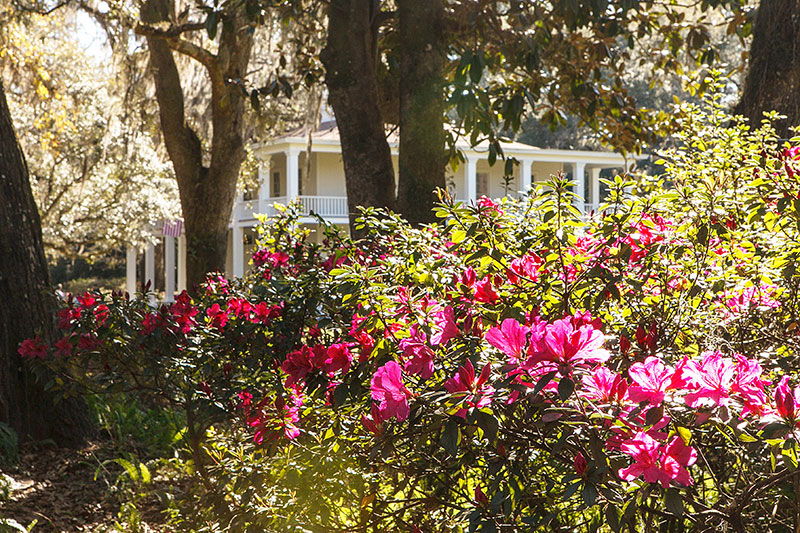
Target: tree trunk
x=27, y=306
x=350, y=59
x=422, y=138
x=773, y=77
x=207, y=193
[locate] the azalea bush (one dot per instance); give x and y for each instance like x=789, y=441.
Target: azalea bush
x=517, y=366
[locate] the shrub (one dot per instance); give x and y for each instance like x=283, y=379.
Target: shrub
x=516, y=366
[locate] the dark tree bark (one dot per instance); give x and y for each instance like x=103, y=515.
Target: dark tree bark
x=350, y=59
x=207, y=192
x=773, y=77
x=27, y=306
x=422, y=51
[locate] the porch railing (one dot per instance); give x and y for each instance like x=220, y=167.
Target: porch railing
x=324, y=206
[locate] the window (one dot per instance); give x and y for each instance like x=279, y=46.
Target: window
x=482, y=179
x=276, y=184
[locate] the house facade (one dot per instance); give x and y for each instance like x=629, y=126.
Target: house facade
x=289, y=171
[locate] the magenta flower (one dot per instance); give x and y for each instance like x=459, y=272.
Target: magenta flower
x=419, y=356
x=603, y=385
x=388, y=390
x=526, y=267
x=510, y=338
x=337, y=357
x=712, y=379
x=217, y=316
x=786, y=400
x=476, y=392
x=484, y=291
x=568, y=344
x=749, y=385
x=297, y=365
x=650, y=380
x=445, y=321
x=657, y=463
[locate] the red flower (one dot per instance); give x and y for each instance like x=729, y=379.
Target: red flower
x=337, y=358
x=183, y=312
x=86, y=300
x=580, y=464
x=101, y=313
x=484, y=291
x=88, y=342
x=34, y=348
x=63, y=347
x=297, y=365
x=217, y=316
x=67, y=317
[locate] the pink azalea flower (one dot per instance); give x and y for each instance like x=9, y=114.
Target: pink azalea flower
x=484, y=291
x=445, y=320
x=526, y=267
x=419, y=356
x=477, y=393
x=273, y=419
x=656, y=463
x=338, y=357
x=750, y=387
x=388, y=390
x=650, y=380
x=712, y=377
x=565, y=343
x=603, y=385
x=510, y=338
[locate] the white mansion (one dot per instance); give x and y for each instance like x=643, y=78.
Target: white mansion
x=283, y=178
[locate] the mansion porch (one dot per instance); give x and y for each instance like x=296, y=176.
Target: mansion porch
x=287, y=172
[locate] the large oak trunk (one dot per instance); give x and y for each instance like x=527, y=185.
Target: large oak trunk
x=350, y=57
x=773, y=76
x=422, y=137
x=27, y=306
x=207, y=192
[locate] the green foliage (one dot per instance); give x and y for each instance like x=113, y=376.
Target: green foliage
x=8, y=445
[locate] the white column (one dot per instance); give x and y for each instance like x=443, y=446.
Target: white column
x=579, y=179
x=595, y=185
x=238, y=251
x=292, y=173
x=150, y=268
x=169, y=269
x=130, y=271
x=471, y=178
x=182, y=263
x=525, y=175
x=263, y=186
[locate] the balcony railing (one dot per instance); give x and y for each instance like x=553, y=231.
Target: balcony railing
x=324, y=206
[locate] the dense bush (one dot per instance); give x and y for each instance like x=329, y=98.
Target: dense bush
x=517, y=366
